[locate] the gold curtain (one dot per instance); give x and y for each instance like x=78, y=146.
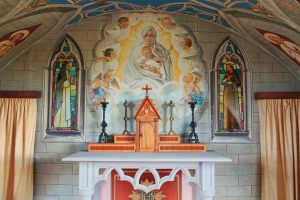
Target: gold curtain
x=17, y=133
x=280, y=148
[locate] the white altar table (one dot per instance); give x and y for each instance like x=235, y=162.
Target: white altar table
x=198, y=168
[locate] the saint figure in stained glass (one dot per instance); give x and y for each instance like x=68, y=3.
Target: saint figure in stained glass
x=65, y=89
x=231, y=89
x=229, y=83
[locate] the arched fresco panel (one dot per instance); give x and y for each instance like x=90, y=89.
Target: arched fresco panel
x=146, y=48
x=11, y=40
x=284, y=44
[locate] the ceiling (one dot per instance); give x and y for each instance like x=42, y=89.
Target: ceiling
x=248, y=18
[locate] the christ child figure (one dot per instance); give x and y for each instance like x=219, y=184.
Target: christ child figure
x=151, y=62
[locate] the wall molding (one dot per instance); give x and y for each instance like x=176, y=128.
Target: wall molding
x=276, y=95
x=21, y=94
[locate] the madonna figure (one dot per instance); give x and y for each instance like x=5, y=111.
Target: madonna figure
x=137, y=75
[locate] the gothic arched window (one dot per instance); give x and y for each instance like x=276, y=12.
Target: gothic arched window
x=66, y=83
x=229, y=91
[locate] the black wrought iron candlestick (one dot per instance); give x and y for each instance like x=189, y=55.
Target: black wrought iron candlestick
x=193, y=137
x=103, y=137
x=125, y=118
x=171, y=104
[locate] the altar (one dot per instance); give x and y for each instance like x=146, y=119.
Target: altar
x=147, y=165
x=196, y=172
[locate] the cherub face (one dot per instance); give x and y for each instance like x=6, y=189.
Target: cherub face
x=197, y=80
x=187, y=42
x=108, y=76
x=123, y=23
x=166, y=21
x=112, y=54
x=188, y=77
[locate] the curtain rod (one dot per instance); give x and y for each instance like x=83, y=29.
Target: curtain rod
x=276, y=95
x=20, y=94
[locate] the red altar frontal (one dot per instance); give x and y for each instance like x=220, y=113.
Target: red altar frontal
x=123, y=190
x=147, y=138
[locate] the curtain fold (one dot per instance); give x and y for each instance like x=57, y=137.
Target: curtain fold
x=17, y=134
x=280, y=148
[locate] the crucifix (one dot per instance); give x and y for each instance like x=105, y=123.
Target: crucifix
x=126, y=104
x=147, y=88
x=171, y=104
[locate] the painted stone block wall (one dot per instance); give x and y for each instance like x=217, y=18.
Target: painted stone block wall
x=55, y=180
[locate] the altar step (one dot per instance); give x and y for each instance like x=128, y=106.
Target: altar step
x=165, y=143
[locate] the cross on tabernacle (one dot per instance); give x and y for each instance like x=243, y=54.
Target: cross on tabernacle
x=147, y=88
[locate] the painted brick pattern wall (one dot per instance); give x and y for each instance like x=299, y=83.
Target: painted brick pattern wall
x=238, y=180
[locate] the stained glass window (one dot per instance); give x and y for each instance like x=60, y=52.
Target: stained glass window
x=66, y=95
x=229, y=91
